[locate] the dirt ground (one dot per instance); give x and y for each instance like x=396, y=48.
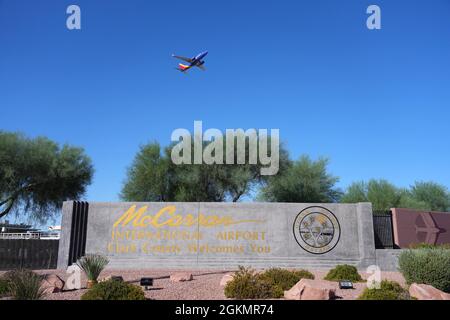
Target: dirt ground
x=204, y=286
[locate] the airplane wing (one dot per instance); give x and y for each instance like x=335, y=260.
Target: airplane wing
x=202, y=67
x=188, y=60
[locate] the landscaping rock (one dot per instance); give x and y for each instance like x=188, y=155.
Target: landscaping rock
x=307, y=289
x=181, y=276
x=52, y=284
x=427, y=292
x=225, y=279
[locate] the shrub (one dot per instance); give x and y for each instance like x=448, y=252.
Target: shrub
x=246, y=284
x=92, y=265
x=389, y=290
x=114, y=290
x=429, y=246
x=285, y=279
x=427, y=266
x=4, y=290
x=272, y=283
x=24, y=285
x=344, y=272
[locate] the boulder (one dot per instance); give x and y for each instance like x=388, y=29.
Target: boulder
x=307, y=289
x=181, y=276
x=225, y=279
x=52, y=284
x=427, y=292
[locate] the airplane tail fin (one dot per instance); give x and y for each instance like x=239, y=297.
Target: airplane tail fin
x=183, y=67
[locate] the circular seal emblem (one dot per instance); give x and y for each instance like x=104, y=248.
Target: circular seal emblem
x=317, y=230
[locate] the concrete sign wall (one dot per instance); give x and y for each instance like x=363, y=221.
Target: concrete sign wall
x=412, y=227
x=221, y=235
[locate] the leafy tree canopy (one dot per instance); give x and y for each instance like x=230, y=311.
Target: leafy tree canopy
x=37, y=175
x=384, y=195
x=303, y=180
x=435, y=195
x=154, y=177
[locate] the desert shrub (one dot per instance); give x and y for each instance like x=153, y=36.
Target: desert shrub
x=24, y=285
x=92, y=265
x=429, y=246
x=343, y=272
x=246, y=284
x=285, y=279
x=114, y=290
x=4, y=290
x=389, y=290
x=427, y=266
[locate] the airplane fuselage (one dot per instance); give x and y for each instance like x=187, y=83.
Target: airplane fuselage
x=197, y=60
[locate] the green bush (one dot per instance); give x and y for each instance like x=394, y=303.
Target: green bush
x=92, y=265
x=114, y=290
x=343, y=272
x=272, y=283
x=4, y=290
x=24, y=285
x=389, y=290
x=427, y=266
x=429, y=246
x=246, y=284
x=285, y=279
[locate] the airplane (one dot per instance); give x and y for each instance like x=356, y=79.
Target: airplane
x=195, y=61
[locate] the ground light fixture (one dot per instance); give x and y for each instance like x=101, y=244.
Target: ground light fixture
x=345, y=284
x=117, y=278
x=146, y=282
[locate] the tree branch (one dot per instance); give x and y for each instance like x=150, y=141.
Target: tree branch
x=238, y=193
x=5, y=201
x=9, y=207
x=12, y=199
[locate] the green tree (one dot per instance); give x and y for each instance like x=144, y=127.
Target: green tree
x=434, y=195
x=384, y=195
x=37, y=175
x=304, y=180
x=407, y=200
x=150, y=177
x=154, y=177
x=356, y=192
x=381, y=193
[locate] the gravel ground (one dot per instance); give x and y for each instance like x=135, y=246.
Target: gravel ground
x=205, y=286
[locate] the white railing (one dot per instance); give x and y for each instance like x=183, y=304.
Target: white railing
x=30, y=235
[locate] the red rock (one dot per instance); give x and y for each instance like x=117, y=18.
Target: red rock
x=52, y=284
x=225, y=279
x=427, y=292
x=181, y=276
x=307, y=289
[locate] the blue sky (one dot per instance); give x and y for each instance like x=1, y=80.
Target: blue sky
x=375, y=102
